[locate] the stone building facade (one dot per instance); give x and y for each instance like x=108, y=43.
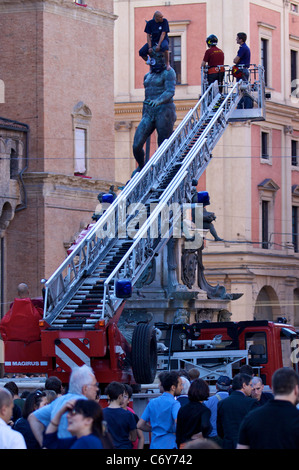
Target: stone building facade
x=57, y=69
x=255, y=192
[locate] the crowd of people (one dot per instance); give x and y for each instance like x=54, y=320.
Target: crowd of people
x=185, y=415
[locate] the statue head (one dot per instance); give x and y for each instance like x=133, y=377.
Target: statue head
x=159, y=60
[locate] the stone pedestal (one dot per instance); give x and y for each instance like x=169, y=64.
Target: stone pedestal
x=174, y=290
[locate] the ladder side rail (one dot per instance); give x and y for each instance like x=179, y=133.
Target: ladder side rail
x=154, y=165
x=59, y=283
x=158, y=165
x=227, y=106
x=140, y=253
x=138, y=177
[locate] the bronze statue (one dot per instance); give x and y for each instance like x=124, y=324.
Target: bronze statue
x=158, y=107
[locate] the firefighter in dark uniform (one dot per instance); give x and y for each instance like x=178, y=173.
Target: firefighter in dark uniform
x=214, y=59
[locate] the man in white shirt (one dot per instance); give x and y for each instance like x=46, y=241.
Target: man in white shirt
x=9, y=439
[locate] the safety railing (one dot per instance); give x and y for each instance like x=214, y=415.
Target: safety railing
x=96, y=244
x=145, y=245
x=254, y=88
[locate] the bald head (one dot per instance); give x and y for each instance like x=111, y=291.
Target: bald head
x=23, y=291
x=158, y=16
x=6, y=404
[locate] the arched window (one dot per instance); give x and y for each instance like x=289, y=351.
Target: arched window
x=267, y=305
x=81, y=124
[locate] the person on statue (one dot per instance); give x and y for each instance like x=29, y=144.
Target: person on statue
x=156, y=30
x=158, y=107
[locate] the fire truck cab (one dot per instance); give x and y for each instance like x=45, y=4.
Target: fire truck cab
x=221, y=348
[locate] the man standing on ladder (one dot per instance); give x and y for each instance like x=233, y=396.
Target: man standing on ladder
x=243, y=59
x=214, y=58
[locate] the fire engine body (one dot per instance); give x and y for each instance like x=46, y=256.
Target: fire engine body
x=83, y=306
x=216, y=349
x=222, y=348
x=57, y=352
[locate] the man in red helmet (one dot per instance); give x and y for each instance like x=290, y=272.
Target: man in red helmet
x=214, y=58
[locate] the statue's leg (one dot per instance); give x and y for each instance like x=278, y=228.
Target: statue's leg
x=165, y=120
x=143, y=131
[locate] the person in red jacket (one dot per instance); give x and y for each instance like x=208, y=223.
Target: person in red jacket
x=214, y=59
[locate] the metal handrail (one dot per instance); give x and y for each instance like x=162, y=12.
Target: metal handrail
x=72, y=269
x=172, y=187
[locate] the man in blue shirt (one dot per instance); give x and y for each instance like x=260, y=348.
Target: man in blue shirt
x=160, y=415
x=156, y=30
x=82, y=384
x=243, y=59
x=222, y=391
x=243, y=55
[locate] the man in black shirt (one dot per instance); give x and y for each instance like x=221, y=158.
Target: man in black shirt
x=157, y=37
x=258, y=391
x=274, y=425
x=232, y=410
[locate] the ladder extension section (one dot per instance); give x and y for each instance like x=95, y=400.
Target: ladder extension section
x=82, y=290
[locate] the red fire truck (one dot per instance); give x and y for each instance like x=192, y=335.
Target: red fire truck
x=216, y=349
x=220, y=348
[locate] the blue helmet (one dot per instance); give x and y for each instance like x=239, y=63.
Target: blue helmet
x=212, y=40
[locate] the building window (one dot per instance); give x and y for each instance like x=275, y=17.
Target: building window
x=265, y=58
x=80, y=150
x=295, y=228
x=81, y=128
x=178, y=49
x=14, y=164
x=294, y=65
x=294, y=8
x=265, y=224
x=294, y=146
x=265, y=145
x=176, y=57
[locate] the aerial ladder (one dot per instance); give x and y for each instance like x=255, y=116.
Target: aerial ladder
x=85, y=296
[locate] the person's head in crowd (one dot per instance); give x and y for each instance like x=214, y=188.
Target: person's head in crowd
x=172, y=383
x=127, y=395
x=51, y=396
x=160, y=377
x=223, y=383
x=285, y=385
x=34, y=401
x=193, y=373
x=185, y=385
x=257, y=388
x=198, y=391
x=243, y=383
x=12, y=388
x=23, y=291
x=54, y=383
x=201, y=444
x=86, y=417
x=83, y=382
x=6, y=404
x=115, y=392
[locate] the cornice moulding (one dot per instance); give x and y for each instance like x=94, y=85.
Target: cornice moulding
x=60, y=7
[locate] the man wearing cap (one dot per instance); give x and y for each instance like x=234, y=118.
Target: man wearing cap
x=222, y=391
